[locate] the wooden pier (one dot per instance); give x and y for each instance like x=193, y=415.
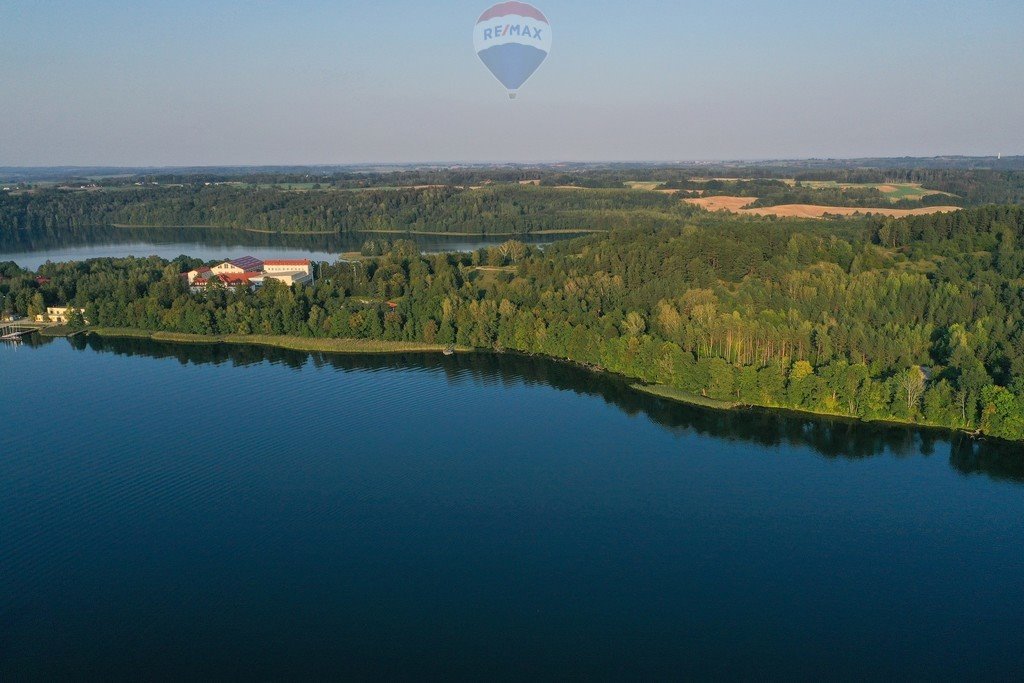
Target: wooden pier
x=14, y=331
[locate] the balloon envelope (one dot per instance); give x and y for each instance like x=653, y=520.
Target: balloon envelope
x=512, y=39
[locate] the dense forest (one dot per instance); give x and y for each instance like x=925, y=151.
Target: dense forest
x=491, y=201
x=918, y=320
x=501, y=209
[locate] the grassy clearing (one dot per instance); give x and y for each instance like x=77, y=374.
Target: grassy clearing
x=121, y=332
x=643, y=184
x=662, y=391
x=484, y=276
x=337, y=345
x=722, y=203
x=283, y=342
x=894, y=192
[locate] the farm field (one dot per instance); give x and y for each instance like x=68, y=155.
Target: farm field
x=894, y=192
x=738, y=205
x=812, y=211
x=731, y=204
x=643, y=184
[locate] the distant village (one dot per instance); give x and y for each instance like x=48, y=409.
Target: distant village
x=250, y=272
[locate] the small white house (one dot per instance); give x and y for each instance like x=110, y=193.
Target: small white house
x=58, y=314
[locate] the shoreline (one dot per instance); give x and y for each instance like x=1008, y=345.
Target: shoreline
x=679, y=396
x=291, y=343
x=380, y=347
x=256, y=231
x=685, y=398
x=302, y=233
x=432, y=233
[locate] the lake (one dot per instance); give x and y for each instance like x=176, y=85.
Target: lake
x=237, y=512
x=32, y=250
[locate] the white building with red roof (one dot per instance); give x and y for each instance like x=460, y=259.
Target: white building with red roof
x=250, y=272
x=203, y=272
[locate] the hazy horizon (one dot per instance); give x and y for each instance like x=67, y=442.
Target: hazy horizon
x=399, y=165
x=262, y=83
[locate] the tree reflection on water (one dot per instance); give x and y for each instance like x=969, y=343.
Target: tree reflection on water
x=828, y=437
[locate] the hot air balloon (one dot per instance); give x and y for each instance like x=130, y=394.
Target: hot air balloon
x=512, y=39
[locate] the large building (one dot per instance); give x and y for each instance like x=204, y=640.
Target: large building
x=289, y=271
x=251, y=272
x=246, y=264
x=57, y=314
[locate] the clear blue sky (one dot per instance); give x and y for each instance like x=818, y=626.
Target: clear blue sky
x=275, y=81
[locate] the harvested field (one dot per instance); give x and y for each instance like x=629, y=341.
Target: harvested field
x=811, y=211
x=738, y=204
x=734, y=204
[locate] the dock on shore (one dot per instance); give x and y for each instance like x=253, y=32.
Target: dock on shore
x=14, y=331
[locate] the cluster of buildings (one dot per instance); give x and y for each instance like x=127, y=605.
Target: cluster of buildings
x=240, y=272
x=250, y=272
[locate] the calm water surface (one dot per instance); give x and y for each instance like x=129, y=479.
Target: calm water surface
x=31, y=251
x=216, y=512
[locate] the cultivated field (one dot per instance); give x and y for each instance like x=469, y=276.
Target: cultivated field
x=643, y=185
x=894, y=192
x=739, y=204
x=733, y=204
x=811, y=211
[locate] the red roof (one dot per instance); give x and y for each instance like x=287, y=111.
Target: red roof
x=228, y=279
x=42, y=280
x=287, y=262
x=504, y=9
x=238, y=278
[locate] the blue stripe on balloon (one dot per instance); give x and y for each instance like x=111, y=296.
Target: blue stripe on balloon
x=512, y=63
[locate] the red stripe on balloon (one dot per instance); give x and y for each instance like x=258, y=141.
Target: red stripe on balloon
x=519, y=8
